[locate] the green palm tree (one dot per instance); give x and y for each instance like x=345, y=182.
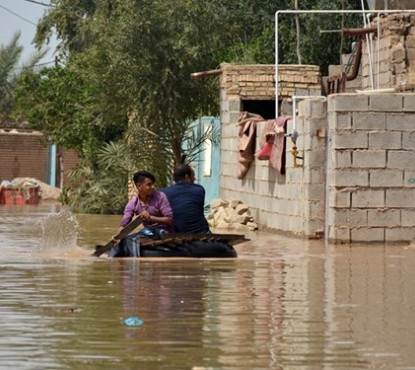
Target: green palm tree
x=10, y=71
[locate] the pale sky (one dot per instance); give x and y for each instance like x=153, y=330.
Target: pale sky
x=23, y=15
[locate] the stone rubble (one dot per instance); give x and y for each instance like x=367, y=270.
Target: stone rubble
x=231, y=215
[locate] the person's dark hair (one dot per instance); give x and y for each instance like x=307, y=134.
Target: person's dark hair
x=181, y=171
x=140, y=176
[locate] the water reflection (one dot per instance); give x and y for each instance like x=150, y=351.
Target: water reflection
x=282, y=304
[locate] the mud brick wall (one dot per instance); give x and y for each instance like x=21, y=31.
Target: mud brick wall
x=371, y=168
x=257, y=81
x=395, y=53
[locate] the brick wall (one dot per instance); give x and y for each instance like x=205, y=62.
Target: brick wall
x=257, y=81
x=25, y=153
x=70, y=160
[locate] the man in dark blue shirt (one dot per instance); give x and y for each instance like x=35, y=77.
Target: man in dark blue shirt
x=187, y=201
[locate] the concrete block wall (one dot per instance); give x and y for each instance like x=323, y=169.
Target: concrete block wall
x=311, y=143
x=370, y=168
x=294, y=202
x=275, y=200
x=357, y=178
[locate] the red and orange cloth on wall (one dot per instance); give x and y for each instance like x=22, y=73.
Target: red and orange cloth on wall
x=272, y=142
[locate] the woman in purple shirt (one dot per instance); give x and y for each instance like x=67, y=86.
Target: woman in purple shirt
x=154, y=209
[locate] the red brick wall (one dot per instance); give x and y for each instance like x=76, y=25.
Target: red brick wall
x=26, y=154
x=69, y=160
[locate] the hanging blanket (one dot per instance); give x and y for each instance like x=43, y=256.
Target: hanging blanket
x=266, y=142
x=247, y=131
x=272, y=143
x=277, y=158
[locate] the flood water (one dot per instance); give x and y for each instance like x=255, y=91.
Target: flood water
x=282, y=304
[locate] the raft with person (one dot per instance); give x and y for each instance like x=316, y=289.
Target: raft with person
x=193, y=245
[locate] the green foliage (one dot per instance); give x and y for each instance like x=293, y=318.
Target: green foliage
x=64, y=196
x=10, y=71
x=125, y=100
x=98, y=189
x=317, y=47
x=66, y=104
x=195, y=138
x=255, y=43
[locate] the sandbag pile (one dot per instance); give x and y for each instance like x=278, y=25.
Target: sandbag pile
x=231, y=215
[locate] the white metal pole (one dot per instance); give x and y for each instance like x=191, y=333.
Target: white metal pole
x=370, y=55
x=378, y=52
x=368, y=46
x=276, y=67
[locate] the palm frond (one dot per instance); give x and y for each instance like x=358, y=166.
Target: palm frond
x=195, y=138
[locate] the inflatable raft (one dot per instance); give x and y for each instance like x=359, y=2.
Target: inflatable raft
x=187, y=245
x=192, y=245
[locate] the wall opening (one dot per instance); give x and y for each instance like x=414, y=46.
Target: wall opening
x=265, y=108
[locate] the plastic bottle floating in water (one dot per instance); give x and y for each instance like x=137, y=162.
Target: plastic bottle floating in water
x=133, y=321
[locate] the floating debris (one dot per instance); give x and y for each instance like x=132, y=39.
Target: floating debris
x=133, y=321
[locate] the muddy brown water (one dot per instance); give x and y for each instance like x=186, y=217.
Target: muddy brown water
x=282, y=304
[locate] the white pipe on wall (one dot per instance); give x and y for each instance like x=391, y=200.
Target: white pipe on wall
x=278, y=12
x=369, y=45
